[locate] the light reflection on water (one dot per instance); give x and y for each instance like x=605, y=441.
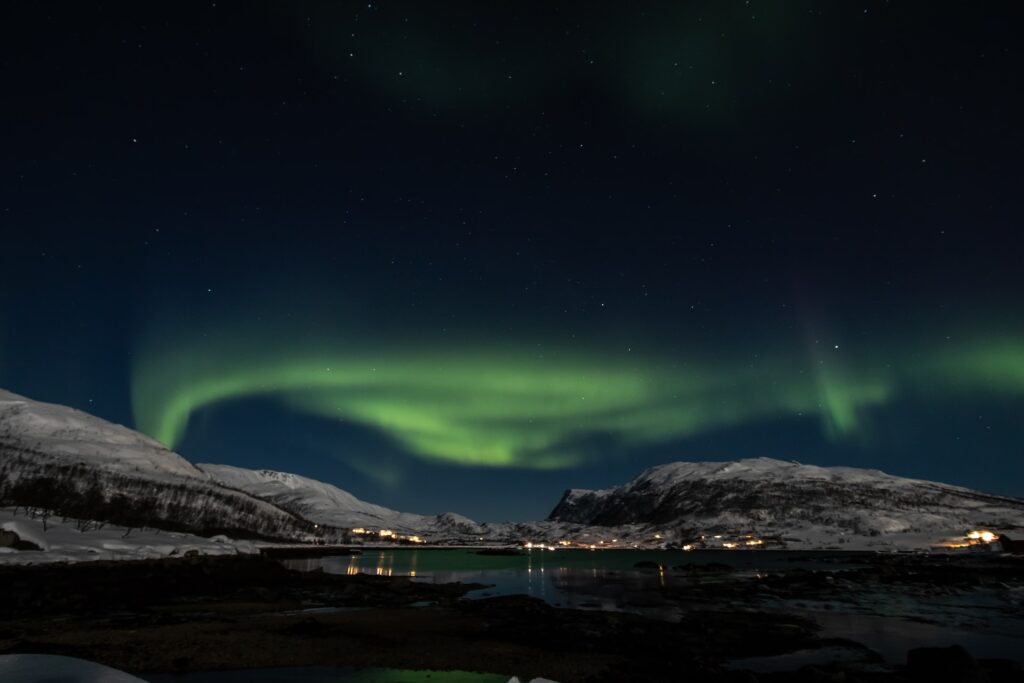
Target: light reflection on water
x=608, y=580
x=563, y=577
x=538, y=572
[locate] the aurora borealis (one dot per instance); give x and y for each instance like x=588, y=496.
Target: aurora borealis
x=463, y=258
x=495, y=407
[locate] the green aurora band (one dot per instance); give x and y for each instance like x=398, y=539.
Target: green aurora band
x=508, y=406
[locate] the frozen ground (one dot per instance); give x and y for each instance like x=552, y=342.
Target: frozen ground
x=62, y=541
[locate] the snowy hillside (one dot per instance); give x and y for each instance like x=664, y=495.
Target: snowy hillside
x=62, y=459
x=81, y=466
x=74, y=436
x=315, y=500
x=68, y=540
x=806, y=504
x=331, y=506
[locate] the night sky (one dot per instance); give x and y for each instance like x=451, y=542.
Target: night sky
x=465, y=256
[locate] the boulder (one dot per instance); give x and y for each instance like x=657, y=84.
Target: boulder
x=10, y=539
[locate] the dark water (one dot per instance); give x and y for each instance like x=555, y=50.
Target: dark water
x=426, y=562
x=580, y=579
x=556, y=576
x=608, y=580
x=887, y=623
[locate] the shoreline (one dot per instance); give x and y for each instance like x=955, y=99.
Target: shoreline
x=235, y=612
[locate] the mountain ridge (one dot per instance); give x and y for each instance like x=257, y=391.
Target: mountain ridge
x=787, y=498
x=78, y=465
x=82, y=466
x=61, y=430
x=317, y=501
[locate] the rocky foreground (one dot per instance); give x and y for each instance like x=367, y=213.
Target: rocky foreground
x=197, y=614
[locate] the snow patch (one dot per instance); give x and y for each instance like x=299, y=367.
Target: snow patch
x=62, y=541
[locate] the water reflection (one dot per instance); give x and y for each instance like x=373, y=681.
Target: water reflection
x=637, y=581
x=607, y=580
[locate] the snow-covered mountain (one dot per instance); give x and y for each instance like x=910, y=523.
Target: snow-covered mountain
x=73, y=436
x=804, y=505
x=329, y=505
x=79, y=465
x=84, y=467
x=315, y=500
x=56, y=457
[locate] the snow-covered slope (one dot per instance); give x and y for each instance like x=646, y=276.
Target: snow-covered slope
x=315, y=500
x=78, y=437
x=68, y=540
x=55, y=457
x=804, y=503
x=79, y=465
x=329, y=505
